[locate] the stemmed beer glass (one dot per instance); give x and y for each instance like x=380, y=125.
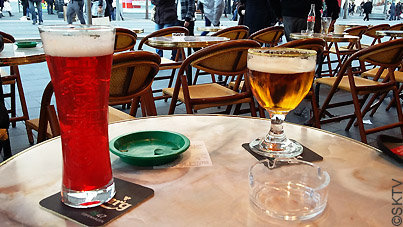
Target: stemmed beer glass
x=280, y=78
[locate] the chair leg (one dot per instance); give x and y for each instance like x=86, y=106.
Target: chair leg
x=261, y=112
x=352, y=119
x=392, y=102
x=134, y=106
x=398, y=108
x=14, y=70
x=315, y=110
x=13, y=105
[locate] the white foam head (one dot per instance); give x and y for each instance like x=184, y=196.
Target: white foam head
x=78, y=42
x=280, y=64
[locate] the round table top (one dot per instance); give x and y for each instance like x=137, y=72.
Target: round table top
x=328, y=38
x=211, y=28
x=185, y=41
x=361, y=179
x=13, y=55
x=392, y=33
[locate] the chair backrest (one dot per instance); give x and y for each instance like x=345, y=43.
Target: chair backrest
x=7, y=38
x=396, y=27
x=125, y=39
x=357, y=31
x=315, y=44
x=163, y=32
x=269, y=36
x=387, y=55
x=226, y=58
x=235, y=32
x=47, y=115
x=371, y=32
x=132, y=76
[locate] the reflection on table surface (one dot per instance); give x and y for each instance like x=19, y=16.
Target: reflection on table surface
x=392, y=33
x=211, y=28
x=13, y=55
x=327, y=37
x=359, y=191
x=185, y=41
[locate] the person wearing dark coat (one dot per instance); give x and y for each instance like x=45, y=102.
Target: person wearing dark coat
x=367, y=10
x=258, y=15
x=165, y=16
x=294, y=13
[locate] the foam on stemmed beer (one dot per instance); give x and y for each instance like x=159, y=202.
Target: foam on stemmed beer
x=76, y=45
x=280, y=65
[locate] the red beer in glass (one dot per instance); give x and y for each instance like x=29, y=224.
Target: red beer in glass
x=79, y=60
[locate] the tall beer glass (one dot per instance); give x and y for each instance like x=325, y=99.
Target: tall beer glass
x=280, y=78
x=79, y=60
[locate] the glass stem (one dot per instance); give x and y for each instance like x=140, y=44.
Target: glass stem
x=275, y=140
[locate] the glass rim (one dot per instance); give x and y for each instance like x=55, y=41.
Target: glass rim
x=294, y=161
x=74, y=28
x=282, y=52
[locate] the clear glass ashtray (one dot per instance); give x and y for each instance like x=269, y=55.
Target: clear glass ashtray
x=288, y=189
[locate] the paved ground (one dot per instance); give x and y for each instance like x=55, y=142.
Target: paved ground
x=36, y=76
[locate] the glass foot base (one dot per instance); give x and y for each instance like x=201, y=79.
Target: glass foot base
x=289, y=149
x=86, y=199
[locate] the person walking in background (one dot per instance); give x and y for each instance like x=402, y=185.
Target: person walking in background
x=186, y=15
x=235, y=10
x=367, y=10
x=107, y=8
x=294, y=13
x=7, y=8
x=165, y=16
x=50, y=4
x=398, y=10
x=213, y=10
x=25, y=10
x=75, y=7
x=259, y=14
x=361, y=8
x=36, y=15
x=392, y=11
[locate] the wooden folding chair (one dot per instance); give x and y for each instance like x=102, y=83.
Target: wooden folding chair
x=227, y=58
x=166, y=63
x=387, y=55
x=268, y=37
x=233, y=33
x=125, y=39
x=310, y=44
x=13, y=79
x=131, y=80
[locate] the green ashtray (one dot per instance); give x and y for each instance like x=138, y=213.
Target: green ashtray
x=149, y=148
x=26, y=44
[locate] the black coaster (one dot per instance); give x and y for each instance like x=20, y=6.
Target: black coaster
x=307, y=154
x=128, y=195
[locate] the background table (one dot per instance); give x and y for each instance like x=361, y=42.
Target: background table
x=217, y=195
x=391, y=33
x=12, y=55
x=186, y=41
x=211, y=28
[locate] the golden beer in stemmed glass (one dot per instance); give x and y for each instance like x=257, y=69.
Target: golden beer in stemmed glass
x=280, y=78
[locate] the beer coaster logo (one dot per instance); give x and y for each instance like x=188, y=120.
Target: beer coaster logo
x=119, y=205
